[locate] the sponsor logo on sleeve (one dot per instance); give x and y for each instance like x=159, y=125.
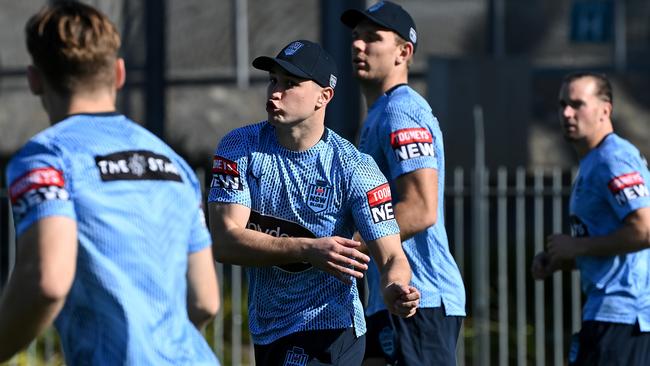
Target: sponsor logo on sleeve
x=628, y=187
x=319, y=196
x=35, y=187
x=225, y=174
x=411, y=143
x=381, y=205
x=136, y=165
x=578, y=228
x=280, y=228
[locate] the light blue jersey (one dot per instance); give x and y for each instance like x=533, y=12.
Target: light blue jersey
x=138, y=211
x=327, y=190
x=402, y=135
x=611, y=184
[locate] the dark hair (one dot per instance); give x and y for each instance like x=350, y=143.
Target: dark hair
x=73, y=45
x=603, y=86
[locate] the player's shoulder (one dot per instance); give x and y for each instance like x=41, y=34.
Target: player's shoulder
x=403, y=97
x=246, y=136
x=404, y=106
x=341, y=147
x=615, y=149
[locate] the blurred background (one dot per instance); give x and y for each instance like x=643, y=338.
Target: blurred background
x=490, y=69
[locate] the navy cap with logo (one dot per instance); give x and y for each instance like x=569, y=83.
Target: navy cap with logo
x=385, y=14
x=304, y=59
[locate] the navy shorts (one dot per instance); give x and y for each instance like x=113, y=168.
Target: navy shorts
x=427, y=338
x=612, y=344
x=380, y=338
x=311, y=348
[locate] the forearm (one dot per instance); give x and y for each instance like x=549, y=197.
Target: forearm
x=627, y=239
x=251, y=248
x=395, y=270
x=412, y=218
x=24, y=314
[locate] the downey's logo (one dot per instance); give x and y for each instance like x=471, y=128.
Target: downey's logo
x=628, y=187
x=225, y=174
x=278, y=227
x=411, y=143
x=380, y=202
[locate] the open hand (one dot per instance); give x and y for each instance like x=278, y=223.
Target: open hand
x=339, y=257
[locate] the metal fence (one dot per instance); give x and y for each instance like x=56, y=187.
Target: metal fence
x=496, y=222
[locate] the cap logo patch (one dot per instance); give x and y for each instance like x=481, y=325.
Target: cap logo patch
x=413, y=35
x=332, y=81
x=293, y=48
x=375, y=7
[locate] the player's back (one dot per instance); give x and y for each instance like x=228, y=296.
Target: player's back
x=136, y=204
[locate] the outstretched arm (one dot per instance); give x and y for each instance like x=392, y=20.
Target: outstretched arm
x=236, y=244
x=40, y=282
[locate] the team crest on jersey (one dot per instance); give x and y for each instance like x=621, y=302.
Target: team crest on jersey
x=380, y=202
x=293, y=48
x=136, y=165
x=409, y=143
x=225, y=174
x=319, y=196
x=35, y=187
x=296, y=357
x=387, y=341
x=628, y=187
x=578, y=228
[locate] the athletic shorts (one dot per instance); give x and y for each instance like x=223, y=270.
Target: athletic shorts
x=338, y=347
x=427, y=338
x=612, y=344
x=380, y=337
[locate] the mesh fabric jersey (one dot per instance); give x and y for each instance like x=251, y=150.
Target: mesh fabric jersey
x=138, y=211
x=611, y=184
x=402, y=135
x=326, y=190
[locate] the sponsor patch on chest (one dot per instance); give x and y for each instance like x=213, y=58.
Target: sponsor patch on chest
x=136, y=165
x=380, y=202
x=628, y=187
x=411, y=143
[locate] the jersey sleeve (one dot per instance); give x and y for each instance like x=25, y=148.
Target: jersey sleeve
x=200, y=235
x=39, y=186
x=624, y=183
x=372, y=204
x=229, y=166
x=406, y=141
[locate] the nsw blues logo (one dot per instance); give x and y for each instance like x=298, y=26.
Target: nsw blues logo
x=296, y=357
x=319, y=196
x=293, y=48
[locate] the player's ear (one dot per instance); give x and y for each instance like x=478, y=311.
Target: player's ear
x=326, y=94
x=405, y=53
x=120, y=73
x=35, y=80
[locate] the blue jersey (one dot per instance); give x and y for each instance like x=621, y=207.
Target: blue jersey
x=326, y=190
x=402, y=135
x=611, y=184
x=138, y=211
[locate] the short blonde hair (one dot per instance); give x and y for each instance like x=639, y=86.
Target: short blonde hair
x=73, y=45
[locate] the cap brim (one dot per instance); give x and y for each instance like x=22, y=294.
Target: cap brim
x=267, y=63
x=352, y=17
